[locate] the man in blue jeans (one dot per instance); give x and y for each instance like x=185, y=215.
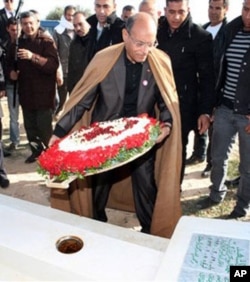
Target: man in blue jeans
x=232, y=115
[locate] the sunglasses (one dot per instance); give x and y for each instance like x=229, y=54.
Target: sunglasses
x=6, y=1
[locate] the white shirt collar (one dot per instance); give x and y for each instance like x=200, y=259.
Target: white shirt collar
x=9, y=13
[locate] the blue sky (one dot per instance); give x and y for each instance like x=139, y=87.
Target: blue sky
x=198, y=7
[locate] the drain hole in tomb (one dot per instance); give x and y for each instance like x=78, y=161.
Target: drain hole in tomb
x=69, y=244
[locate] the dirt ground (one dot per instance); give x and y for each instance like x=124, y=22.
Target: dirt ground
x=27, y=184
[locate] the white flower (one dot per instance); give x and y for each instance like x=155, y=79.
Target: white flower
x=77, y=140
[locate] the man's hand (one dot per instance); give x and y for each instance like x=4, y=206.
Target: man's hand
x=59, y=81
x=59, y=76
x=53, y=139
x=203, y=123
x=2, y=93
x=247, y=128
x=165, y=131
x=14, y=75
x=24, y=54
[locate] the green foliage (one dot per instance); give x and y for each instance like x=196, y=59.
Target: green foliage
x=233, y=169
x=55, y=14
x=123, y=156
x=87, y=12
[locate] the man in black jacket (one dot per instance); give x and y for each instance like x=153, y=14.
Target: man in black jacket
x=232, y=115
x=217, y=11
x=4, y=181
x=191, y=51
x=106, y=27
x=78, y=61
x=5, y=13
x=128, y=71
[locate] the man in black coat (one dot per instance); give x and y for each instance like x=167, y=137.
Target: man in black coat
x=78, y=61
x=217, y=10
x=4, y=181
x=191, y=51
x=106, y=26
x=5, y=13
x=126, y=70
x=232, y=116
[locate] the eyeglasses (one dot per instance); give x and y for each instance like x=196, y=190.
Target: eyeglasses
x=141, y=44
x=6, y=1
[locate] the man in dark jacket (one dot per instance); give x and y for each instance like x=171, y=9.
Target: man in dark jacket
x=125, y=69
x=78, y=49
x=191, y=51
x=5, y=13
x=127, y=11
x=4, y=181
x=13, y=28
x=37, y=64
x=217, y=11
x=106, y=27
x=232, y=115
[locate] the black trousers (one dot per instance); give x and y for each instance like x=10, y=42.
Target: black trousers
x=38, y=127
x=62, y=95
x=143, y=185
x=200, y=144
x=210, y=133
x=3, y=174
x=188, y=123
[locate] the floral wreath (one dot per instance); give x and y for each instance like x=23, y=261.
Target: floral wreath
x=99, y=147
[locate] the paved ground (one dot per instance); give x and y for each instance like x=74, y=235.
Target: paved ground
x=27, y=184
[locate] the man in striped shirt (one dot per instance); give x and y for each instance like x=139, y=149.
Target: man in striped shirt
x=232, y=115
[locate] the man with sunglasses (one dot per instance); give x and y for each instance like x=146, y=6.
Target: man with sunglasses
x=126, y=80
x=7, y=12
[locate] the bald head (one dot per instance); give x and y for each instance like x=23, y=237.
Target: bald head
x=139, y=36
x=141, y=18
x=150, y=7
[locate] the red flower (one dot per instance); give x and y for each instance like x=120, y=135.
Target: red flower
x=57, y=162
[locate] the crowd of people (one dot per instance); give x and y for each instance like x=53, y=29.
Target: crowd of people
x=94, y=69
